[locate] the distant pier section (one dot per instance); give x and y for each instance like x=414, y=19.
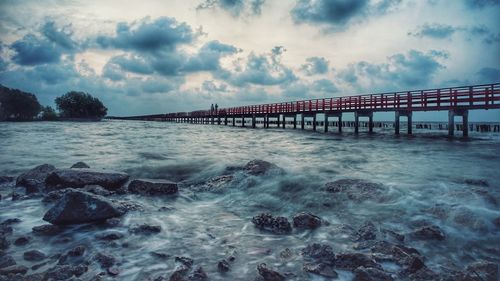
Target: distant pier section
x=458, y=101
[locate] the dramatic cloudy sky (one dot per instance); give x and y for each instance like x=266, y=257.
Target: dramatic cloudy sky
x=143, y=57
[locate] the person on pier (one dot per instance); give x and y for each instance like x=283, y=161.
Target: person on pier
x=212, y=109
x=216, y=109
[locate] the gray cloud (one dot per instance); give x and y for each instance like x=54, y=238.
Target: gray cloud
x=315, y=65
x=480, y=4
x=32, y=50
x=488, y=75
x=234, y=7
x=435, y=30
x=208, y=57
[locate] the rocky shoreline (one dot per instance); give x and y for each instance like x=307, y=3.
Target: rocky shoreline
x=91, y=198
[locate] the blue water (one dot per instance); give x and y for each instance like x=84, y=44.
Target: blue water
x=418, y=173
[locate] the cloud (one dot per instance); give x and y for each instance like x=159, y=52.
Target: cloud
x=410, y=70
x=161, y=34
x=61, y=37
x=435, y=30
x=305, y=89
x=480, y=4
x=488, y=75
x=338, y=14
x=32, y=50
x=208, y=57
x=315, y=65
x=234, y=7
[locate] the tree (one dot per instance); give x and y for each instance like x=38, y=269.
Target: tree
x=48, y=113
x=18, y=105
x=80, y=105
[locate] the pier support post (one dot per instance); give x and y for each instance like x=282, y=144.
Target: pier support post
x=253, y=121
x=370, y=122
x=396, y=123
x=465, y=123
x=302, y=125
x=356, y=122
x=340, y=122
x=266, y=121
x=278, y=121
x=284, y=121
x=225, y=121
x=242, y=121
x=326, y=122
x=234, y=121
x=295, y=121
x=451, y=122
x=409, y=117
x=218, y=120
x=314, y=122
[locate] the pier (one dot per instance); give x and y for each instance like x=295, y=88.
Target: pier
x=457, y=101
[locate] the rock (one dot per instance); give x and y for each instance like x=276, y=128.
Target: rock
x=261, y=167
x=113, y=271
x=152, y=187
x=185, y=261
x=356, y=189
x=477, y=182
x=81, y=207
x=320, y=269
x=34, y=179
x=216, y=184
x=97, y=189
x=77, y=251
x=110, y=235
x=268, y=274
x=223, y=266
x=105, y=260
x=402, y=255
x=65, y=272
x=198, y=275
x=426, y=274
x=5, y=229
x=13, y=270
x=145, y=229
x=319, y=253
x=177, y=276
x=46, y=229
x=6, y=261
x=55, y=195
x=371, y=274
x=286, y=254
x=366, y=232
x=487, y=271
x=266, y=221
x=393, y=234
x=161, y=255
x=429, y=232
x=4, y=243
x=5, y=179
x=78, y=178
x=351, y=261
x=306, y=220
x=79, y=165
x=34, y=255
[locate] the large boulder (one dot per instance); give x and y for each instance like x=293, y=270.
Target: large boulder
x=80, y=165
x=269, y=274
x=34, y=179
x=306, y=220
x=428, y=232
x=278, y=225
x=81, y=207
x=261, y=167
x=356, y=189
x=153, y=187
x=80, y=177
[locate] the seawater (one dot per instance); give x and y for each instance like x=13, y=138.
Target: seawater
x=420, y=173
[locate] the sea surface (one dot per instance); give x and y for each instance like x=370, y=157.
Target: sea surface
x=427, y=179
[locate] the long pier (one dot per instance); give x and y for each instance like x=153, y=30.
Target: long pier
x=456, y=100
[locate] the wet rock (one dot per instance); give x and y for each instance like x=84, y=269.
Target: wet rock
x=429, y=232
x=166, y=209
x=126, y=206
x=425, y=274
x=402, y=255
x=5, y=179
x=78, y=178
x=216, y=184
x=152, y=187
x=393, y=234
x=77, y=251
x=286, y=254
x=65, y=272
x=4, y=243
x=6, y=261
x=356, y=189
x=47, y=230
x=105, y=260
x=366, y=232
x=81, y=207
x=198, y=275
x=110, y=235
x=261, y=167
x=266, y=221
x=79, y=165
x=306, y=220
x=185, y=261
x=439, y=211
x=5, y=229
x=39, y=265
x=223, y=266
x=320, y=253
x=351, y=261
x=34, y=255
x=98, y=190
x=477, y=182
x=55, y=195
x=160, y=255
x=14, y=269
x=371, y=274
x=10, y=221
x=320, y=269
x=113, y=222
x=487, y=271
x=465, y=217
x=145, y=229
x=269, y=274
x=113, y=271
x=34, y=179
x=177, y=276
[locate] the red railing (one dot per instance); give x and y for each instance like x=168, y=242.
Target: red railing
x=486, y=96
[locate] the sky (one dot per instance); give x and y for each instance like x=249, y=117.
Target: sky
x=145, y=57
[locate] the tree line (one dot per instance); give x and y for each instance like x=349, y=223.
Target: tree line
x=21, y=106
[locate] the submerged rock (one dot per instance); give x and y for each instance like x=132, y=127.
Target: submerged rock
x=34, y=179
x=320, y=269
x=356, y=189
x=79, y=165
x=77, y=251
x=351, y=261
x=65, y=272
x=260, y=167
x=145, y=229
x=153, y=187
x=366, y=232
x=266, y=221
x=46, y=229
x=81, y=207
x=34, y=255
x=105, y=260
x=110, y=235
x=13, y=270
x=269, y=274
x=485, y=270
x=306, y=220
x=6, y=261
x=223, y=266
x=371, y=274
x=429, y=232
x=477, y=182
x=78, y=178
x=198, y=275
x=5, y=179
x=216, y=184
x=319, y=253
